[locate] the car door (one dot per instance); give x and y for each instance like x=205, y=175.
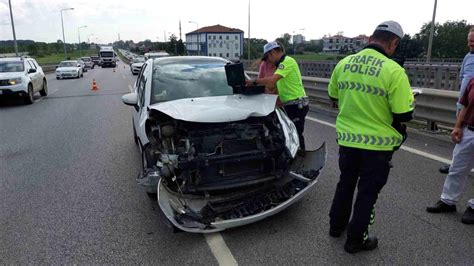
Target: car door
x=33, y=76
x=140, y=113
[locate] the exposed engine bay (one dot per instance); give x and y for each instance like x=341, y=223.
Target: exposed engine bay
x=207, y=173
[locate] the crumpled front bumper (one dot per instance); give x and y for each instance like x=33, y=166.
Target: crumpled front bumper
x=313, y=160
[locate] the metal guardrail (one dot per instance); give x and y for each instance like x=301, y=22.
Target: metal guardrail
x=432, y=106
x=49, y=68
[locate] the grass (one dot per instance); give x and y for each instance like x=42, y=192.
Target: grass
x=54, y=59
x=316, y=57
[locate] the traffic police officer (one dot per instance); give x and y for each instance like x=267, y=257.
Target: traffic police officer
x=287, y=80
x=374, y=97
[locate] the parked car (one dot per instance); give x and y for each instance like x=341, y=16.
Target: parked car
x=136, y=65
x=88, y=62
x=95, y=60
x=215, y=159
x=69, y=69
x=22, y=77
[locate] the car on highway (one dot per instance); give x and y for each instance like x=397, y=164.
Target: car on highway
x=216, y=159
x=88, y=62
x=136, y=65
x=82, y=63
x=69, y=69
x=95, y=60
x=22, y=77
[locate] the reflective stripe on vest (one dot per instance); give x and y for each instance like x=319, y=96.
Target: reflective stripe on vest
x=371, y=140
x=346, y=85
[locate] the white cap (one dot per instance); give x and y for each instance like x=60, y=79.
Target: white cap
x=270, y=46
x=391, y=26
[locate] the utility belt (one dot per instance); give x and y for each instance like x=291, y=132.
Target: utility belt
x=301, y=102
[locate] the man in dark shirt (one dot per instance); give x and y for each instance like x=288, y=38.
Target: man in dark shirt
x=463, y=159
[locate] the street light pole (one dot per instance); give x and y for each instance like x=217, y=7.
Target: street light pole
x=430, y=43
x=198, y=38
x=79, y=38
x=13, y=28
x=62, y=25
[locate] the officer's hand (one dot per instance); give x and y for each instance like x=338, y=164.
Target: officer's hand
x=456, y=135
x=248, y=83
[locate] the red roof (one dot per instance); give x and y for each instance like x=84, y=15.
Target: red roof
x=215, y=29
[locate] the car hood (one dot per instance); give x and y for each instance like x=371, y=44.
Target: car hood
x=137, y=64
x=11, y=75
x=67, y=68
x=218, y=109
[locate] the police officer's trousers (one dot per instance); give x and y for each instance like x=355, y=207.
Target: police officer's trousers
x=463, y=162
x=298, y=117
x=368, y=170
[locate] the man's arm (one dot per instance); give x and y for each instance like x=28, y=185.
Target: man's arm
x=456, y=134
x=269, y=82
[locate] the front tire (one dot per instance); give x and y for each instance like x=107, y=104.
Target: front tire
x=44, y=91
x=29, y=97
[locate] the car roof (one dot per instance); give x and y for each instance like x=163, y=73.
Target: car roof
x=189, y=60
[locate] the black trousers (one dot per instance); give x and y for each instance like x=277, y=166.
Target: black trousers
x=368, y=170
x=298, y=117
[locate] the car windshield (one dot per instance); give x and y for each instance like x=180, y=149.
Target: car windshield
x=68, y=64
x=106, y=54
x=188, y=80
x=138, y=60
x=11, y=67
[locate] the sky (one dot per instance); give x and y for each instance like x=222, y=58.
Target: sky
x=138, y=20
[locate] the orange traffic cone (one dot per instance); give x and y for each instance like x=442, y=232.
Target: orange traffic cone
x=94, y=86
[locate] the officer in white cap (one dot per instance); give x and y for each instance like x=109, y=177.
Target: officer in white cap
x=374, y=97
x=287, y=80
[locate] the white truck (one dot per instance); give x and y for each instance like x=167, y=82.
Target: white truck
x=107, y=56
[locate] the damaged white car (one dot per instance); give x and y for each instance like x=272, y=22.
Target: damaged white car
x=217, y=159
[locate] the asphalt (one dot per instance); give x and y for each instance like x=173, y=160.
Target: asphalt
x=68, y=194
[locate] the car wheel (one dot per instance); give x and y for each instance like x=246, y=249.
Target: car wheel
x=147, y=162
x=44, y=91
x=29, y=97
x=57, y=77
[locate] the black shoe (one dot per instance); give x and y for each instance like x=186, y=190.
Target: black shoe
x=369, y=244
x=440, y=206
x=468, y=216
x=335, y=232
x=444, y=169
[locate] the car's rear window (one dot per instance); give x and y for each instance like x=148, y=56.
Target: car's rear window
x=68, y=64
x=178, y=81
x=11, y=67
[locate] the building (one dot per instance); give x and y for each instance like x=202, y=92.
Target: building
x=337, y=43
x=216, y=40
x=298, y=39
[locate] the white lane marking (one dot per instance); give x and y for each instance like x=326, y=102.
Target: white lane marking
x=123, y=76
x=219, y=249
x=53, y=92
x=403, y=147
x=130, y=87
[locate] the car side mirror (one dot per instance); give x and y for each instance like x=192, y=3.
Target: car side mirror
x=130, y=99
x=31, y=70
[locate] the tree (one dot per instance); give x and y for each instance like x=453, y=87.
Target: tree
x=181, y=48
x=449, y=39
x=256, y=48
x=285, y=40
x=172, y=47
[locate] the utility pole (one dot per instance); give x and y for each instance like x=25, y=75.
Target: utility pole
x=430, y=43
x=180, y=29
x=62, y=25
x=13, y=28
x=248, y=40
x=79, y=38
